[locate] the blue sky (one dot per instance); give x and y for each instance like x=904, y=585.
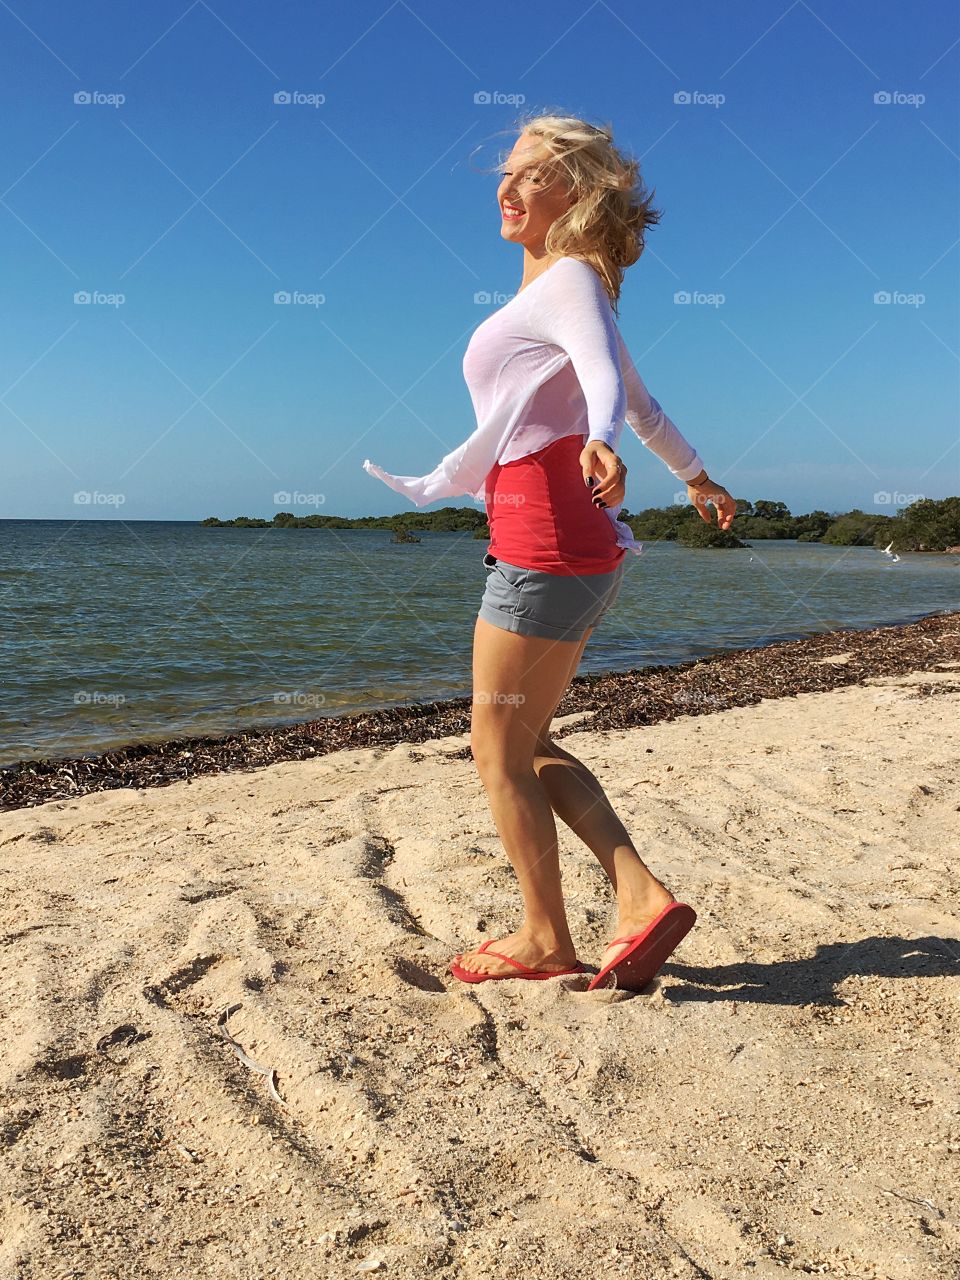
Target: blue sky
x=785, y=187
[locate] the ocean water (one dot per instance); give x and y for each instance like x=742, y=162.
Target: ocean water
x=116, y=632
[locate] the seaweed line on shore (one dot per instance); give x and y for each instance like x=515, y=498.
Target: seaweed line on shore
x=617, y=700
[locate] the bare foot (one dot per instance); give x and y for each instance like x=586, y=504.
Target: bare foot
x=636, y=920
x=535, y=954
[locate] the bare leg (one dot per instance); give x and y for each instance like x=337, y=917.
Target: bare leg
x=578, y=799
x=518, y=680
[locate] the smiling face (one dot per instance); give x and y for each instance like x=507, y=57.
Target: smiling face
x=531, y=194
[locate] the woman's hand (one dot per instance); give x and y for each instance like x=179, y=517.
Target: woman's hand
x=707, y=490
x=608, y=471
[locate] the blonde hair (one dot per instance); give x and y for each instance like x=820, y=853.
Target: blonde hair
x=606, y=225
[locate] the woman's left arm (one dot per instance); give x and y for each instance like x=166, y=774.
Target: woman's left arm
x=571, y=310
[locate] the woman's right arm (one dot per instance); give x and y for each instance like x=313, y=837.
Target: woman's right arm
x=647, y=420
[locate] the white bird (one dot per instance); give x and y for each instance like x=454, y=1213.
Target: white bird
x=886, y=549
x=894, y=558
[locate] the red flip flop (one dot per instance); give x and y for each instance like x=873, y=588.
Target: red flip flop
x=635, y=966
x=465, y=975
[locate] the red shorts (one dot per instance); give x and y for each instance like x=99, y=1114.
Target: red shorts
x=541, y=515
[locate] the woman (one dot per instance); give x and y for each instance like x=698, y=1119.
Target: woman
x=552, y=383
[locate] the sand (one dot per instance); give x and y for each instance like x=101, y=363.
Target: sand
x=784, y=1098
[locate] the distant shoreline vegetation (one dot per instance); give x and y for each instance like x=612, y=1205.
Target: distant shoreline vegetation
x=925, y=525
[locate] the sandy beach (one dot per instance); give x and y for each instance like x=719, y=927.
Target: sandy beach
x=232, y=1048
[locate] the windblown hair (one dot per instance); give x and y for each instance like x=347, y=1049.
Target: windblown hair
x=606, y=226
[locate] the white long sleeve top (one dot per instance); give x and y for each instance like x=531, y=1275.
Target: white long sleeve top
x=560, y=326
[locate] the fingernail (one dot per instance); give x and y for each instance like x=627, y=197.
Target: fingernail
x=590, y=482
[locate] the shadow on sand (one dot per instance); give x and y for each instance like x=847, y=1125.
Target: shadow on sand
x=812, y=980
